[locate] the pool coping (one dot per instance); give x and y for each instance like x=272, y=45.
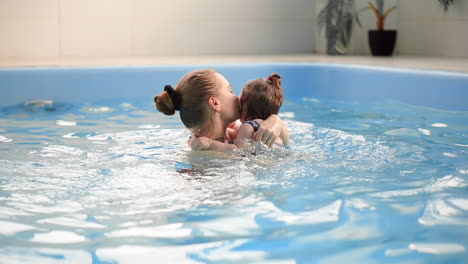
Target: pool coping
x=458, y=64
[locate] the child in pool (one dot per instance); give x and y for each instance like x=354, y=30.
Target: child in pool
x=208, y=107
x=259, y=99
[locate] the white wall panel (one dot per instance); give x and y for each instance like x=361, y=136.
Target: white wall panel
x=53, y=28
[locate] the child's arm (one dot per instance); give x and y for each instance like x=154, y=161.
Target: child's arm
x=232, y=130
x=204, y=143
x=246, y=131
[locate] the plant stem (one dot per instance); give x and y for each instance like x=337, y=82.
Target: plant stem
x=379, y=18
x=389, y=11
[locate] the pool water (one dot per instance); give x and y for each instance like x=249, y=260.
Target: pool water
x=112, y=181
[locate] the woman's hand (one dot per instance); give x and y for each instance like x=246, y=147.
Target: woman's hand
x=200, y=143
x=270, y=130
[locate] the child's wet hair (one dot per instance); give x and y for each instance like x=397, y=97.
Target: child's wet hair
x=261, y=98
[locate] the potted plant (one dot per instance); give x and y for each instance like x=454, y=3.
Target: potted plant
x=446, y=4
x=338, y=16
x=381, y=41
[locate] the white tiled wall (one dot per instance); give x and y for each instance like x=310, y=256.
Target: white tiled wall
x=154, y=27
x=53, y=28
x=429, y=30
x=29, y=28
x=95, y=28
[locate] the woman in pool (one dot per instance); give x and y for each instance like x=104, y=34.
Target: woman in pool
x=208, y=107
x=259, y=99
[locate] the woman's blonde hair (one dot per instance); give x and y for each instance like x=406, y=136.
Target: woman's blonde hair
x=189, y=97
x=261, y=97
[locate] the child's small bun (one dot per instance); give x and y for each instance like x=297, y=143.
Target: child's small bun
x=274, y=79
x=168, y=101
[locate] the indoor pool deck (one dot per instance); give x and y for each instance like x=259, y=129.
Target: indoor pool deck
x=434, y=63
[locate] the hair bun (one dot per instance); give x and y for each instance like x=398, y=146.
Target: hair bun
x=275, y=75
x=174, y=96
x=274, y=79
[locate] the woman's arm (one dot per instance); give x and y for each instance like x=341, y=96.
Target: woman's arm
x=284, y=135
x=204, y=143
x=271, y=129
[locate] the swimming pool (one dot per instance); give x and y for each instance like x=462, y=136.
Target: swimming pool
x=377, y=171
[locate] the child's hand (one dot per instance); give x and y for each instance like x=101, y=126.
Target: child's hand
x=200, y=143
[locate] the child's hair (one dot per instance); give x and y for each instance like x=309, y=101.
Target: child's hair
x=261, y=98
x=189, y=97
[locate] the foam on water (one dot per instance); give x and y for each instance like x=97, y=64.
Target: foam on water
x=58, y=237
x=115, y=182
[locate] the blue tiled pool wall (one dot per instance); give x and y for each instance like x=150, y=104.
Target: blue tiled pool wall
x=437, y=89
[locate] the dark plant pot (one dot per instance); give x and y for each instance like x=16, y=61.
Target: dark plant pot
x=382, y=43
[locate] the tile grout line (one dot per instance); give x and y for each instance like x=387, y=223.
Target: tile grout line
x=59, y=20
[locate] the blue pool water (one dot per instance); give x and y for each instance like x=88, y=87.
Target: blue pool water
x=96, y=175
